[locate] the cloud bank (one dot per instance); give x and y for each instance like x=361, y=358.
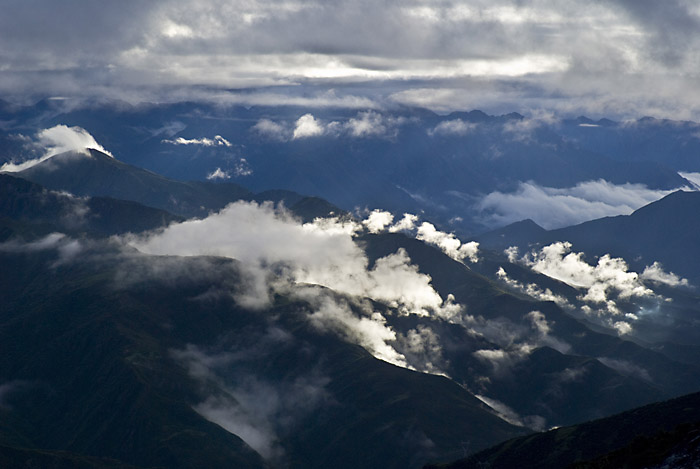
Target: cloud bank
x=555, y=208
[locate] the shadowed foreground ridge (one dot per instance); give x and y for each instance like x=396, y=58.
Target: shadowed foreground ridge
x=664, y=434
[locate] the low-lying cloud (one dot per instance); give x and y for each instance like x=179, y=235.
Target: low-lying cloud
x=280, y=254
x=555, y=208
x=603, y=287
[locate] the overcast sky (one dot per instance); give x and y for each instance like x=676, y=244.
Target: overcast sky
x=617, y=58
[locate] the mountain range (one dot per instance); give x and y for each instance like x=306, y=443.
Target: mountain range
x=156, y=322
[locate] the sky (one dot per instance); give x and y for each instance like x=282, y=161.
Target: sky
x=615, y=58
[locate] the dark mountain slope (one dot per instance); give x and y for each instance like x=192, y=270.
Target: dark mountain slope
x=667, y=231
x=27, y=208
x=98, y=174
x=572, y=384
x=91, y=359
x=642, y=437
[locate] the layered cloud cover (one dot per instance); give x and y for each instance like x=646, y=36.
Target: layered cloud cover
x=53, y=141
x=595, y=57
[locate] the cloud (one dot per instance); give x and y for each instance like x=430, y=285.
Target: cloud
x=626, y=368
x=307, y=126
x=271, y=129
x=422, y=348
x=609, y=278
x=533, y=290
x=366, y=124
x=694, y=178
x=56, y=140
x=456, y=127
x=449, y=244
x=655, y=273
x=373, y=124
x=636, y=57
x=218, y=173
x=66, y=248
x=378, y=220
x=407, y=223
x=217, y=141
x=534, y=422
x=258, y=410
x=278, y=253
x=554, y=208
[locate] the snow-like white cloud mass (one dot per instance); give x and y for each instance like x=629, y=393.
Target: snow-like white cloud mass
x=56, y=140
x=217, y=141
x=609, y=275
x=603, y=287
x=378, y=220
x=449, y=244
x=307, y=126
x=554, y=208
x=218, y=173
x=407, y=223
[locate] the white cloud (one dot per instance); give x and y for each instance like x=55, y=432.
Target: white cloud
x=218, y=173
x=365, y=124
x=378, y=220
x=217, y=141
x=533, y=290
x=456, y=127
x=56, y=140
x=449, y=244
x=554, y=208
x=271, y=129
x=279, y=253
x=610, y=276
x=694, y=178
x=407, y=223
x=655, y=273
x=307, y=126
